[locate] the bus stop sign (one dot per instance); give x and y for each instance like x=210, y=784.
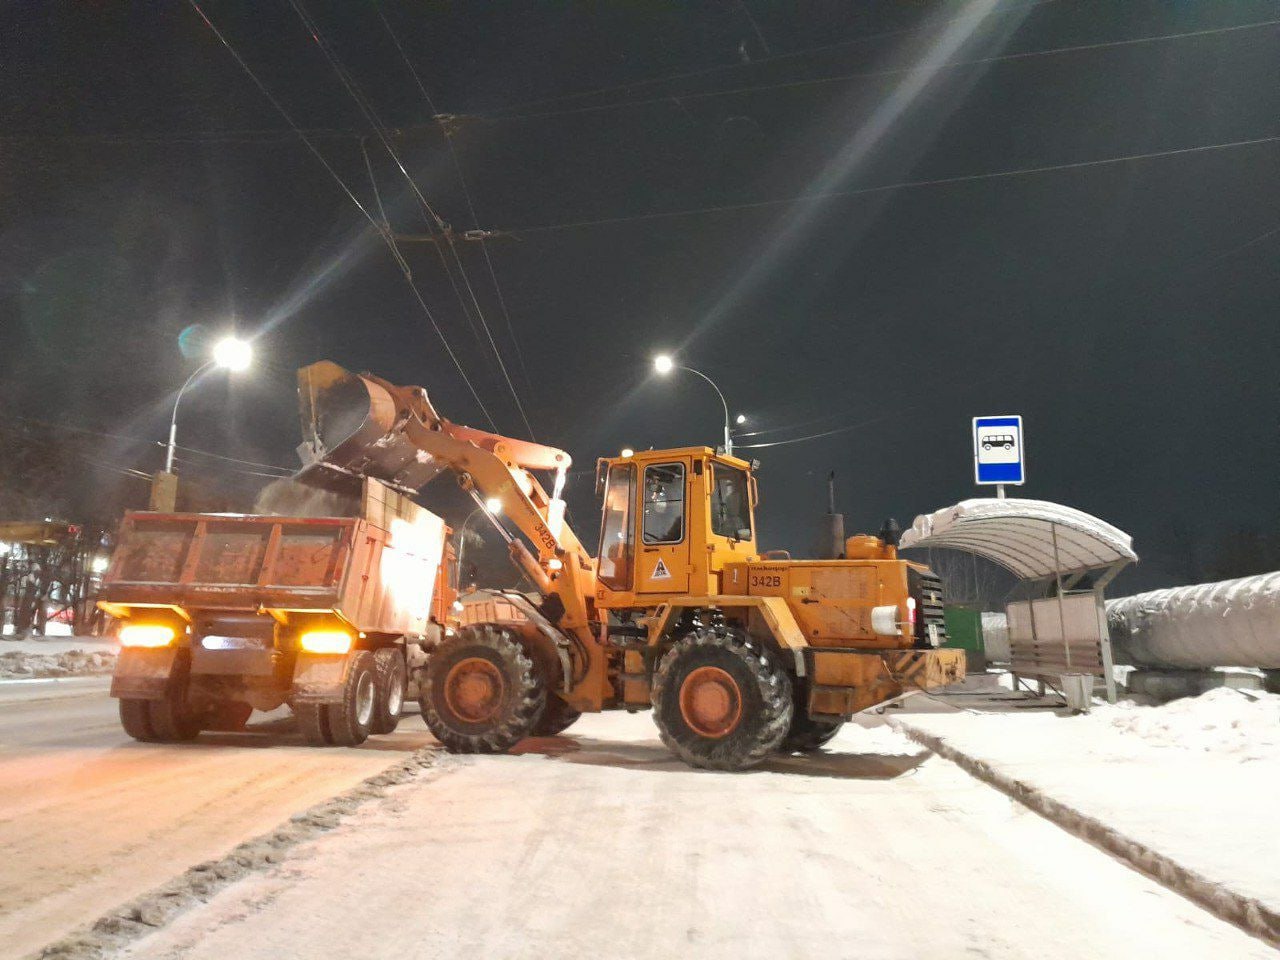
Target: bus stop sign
x=997, y=450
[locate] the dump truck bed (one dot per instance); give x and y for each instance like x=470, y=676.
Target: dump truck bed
x=380, y=571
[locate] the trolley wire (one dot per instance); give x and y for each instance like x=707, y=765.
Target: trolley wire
x=466, y=191
x=901, y=185
x=386, y=235
x=871, y=74
x=371, y=116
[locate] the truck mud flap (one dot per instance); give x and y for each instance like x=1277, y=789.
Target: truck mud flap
x=143, y=674
x=317, y=678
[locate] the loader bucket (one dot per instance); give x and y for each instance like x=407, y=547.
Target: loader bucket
x=351, y=429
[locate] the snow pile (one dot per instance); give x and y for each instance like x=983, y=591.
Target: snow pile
x=1244, y=724
x=24, y=664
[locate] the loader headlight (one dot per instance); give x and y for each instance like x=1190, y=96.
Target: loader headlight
x=884, y=620
x=146, y=635
x=326, y=641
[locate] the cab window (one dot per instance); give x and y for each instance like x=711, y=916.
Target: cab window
x=730, y=502
x=663, y=503
x=616, y=543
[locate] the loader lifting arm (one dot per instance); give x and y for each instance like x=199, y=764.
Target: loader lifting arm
x=361, y=425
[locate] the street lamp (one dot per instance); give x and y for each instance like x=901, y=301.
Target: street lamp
x=229, y=353
x=664, y=365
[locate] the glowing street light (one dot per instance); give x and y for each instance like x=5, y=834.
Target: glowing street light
x=664, y=364
x=493, y=506
x=229, y=353
x=740, y=419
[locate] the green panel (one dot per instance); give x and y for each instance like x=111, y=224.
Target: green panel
x=964, y=628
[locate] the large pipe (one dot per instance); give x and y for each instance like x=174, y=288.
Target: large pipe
x=1234, y=623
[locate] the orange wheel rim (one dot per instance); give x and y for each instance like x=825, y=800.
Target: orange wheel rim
x=473, y=689
x=710, y=702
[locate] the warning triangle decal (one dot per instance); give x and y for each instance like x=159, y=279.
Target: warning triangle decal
x=660, y=572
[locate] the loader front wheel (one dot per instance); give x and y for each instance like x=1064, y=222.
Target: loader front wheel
x=482, y=693
x=807, y=735
x=720, y=700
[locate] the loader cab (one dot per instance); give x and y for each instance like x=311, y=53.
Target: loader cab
x=671, y=521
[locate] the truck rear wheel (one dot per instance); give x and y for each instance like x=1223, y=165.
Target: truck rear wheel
x=720, y=700
x=556, y=718
x=482, y=693
x=351, y=718
x=133, y=717
x=390, y=677
x=313, y=721
x=171, y=718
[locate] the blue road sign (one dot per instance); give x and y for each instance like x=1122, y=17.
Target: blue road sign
x=998, y=451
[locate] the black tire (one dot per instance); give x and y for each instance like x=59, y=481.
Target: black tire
x=351, y=718
x=134, y=719
x=721, y=700
x=481, y=693
x=806, y=734
x=313, y=721
x=556, y=718
x=229, y=716
x=390, y=677
x=171, y=719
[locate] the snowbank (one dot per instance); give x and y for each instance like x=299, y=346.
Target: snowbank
x=70, y=657
x=1240, y=723
x=1184, y=792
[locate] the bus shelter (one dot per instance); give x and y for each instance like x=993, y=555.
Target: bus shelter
x=1063, y=558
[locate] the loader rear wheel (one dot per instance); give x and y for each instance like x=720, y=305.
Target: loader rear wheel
x=133, y=717
x=313, y=721
x=482, y=693
x=557, y=718
x=720, y=700
x=807, y=735
x=390, y=677
x=351, y=718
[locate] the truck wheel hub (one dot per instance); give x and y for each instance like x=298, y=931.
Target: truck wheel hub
x=710, y=702
x=473, y=689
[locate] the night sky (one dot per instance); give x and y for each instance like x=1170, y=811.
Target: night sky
x=151, y=197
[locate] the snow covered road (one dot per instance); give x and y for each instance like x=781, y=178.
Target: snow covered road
x=89, y=818
x=599, y=844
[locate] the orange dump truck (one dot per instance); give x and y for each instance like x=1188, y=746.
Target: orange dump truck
x=223, y=614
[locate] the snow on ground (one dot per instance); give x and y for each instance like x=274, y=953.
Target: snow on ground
x=600, y=844
x=1240, y=723
x=56, y=657
x=1194, y=780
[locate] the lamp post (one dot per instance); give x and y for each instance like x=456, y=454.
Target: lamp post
x=664, y=364
x=229, y=353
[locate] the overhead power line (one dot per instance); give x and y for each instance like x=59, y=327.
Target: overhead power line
x=446, y=132
x=680, y=98
x=371, y=116
x=901, y=185
x=384, y=234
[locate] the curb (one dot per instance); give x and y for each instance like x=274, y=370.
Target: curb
x=120, y=926
x=1248, y=913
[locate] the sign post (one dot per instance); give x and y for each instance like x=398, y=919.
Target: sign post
x=998, y=453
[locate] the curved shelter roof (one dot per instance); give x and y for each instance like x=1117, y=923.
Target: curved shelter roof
x=1019, y=535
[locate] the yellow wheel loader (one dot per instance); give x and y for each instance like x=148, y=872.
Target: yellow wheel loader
x=739, y=653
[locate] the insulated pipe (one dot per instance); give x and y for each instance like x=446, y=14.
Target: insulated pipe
x=1233, y=623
